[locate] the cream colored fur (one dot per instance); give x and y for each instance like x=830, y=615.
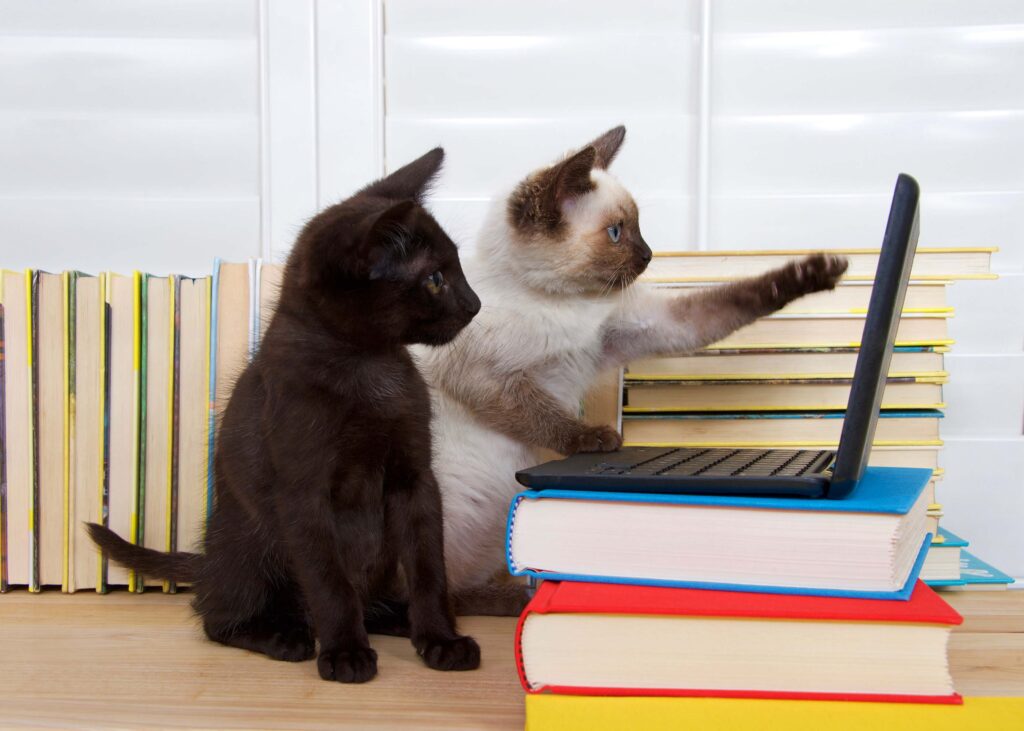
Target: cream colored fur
x=540, y=322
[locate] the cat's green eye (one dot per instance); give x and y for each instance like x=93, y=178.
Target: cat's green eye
x=614, y=232
x=434, y=283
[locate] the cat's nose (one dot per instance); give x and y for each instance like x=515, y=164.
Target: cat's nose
x=645, y=252
x=471, y=302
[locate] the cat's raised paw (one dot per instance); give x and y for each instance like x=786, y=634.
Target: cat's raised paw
x=458, y=653
x=597, y=439
x=817, y=272
x=349, y=665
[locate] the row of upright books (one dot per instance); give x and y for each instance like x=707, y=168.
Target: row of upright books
x=784, y=380
x=110, y=386
x=109, y=390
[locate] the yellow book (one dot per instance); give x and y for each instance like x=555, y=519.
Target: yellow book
x=546, y=712
x=833, y=331
x=789, y=363
x=710, y=266
x=760, y=394
x=775, y=429
x=852, y=297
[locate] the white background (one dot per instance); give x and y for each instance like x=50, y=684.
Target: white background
x=156, y=134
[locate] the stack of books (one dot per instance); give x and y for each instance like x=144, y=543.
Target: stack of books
x=784, y=380
x=675, y=596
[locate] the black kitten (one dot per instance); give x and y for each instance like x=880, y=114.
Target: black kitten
x=326, y=506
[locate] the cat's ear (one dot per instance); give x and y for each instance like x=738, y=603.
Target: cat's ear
x=571, y=177
x=412, y=181
x=607, y=146
x=385, y=238
x=537, y=201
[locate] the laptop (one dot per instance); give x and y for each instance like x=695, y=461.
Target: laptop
x=772, y=472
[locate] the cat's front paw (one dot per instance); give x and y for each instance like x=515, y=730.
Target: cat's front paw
x=295, y=645
x=348, y=665
x=457, y=653
x=813, y=273
x=596, y=439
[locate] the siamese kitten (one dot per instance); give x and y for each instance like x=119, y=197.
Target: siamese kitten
x=554, y=267
x=327, y=510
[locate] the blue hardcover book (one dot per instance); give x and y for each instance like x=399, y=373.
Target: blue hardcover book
x=978, y=575
x=946, y=537
x=942, y=565
x=870, y=545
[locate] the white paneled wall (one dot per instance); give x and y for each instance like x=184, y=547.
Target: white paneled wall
x=507, y=86
x=130, y=133
x=814, y=107
x=158, y=133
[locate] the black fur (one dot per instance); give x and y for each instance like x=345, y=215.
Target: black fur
x=327, y=516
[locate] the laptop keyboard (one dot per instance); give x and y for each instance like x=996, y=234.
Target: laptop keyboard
x=682, y=462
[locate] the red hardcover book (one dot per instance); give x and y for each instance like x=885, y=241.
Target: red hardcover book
x=612, y=639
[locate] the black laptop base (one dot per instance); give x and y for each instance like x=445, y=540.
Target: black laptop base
x=695, y=471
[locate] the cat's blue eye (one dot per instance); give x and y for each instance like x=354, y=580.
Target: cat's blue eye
x=614, y=232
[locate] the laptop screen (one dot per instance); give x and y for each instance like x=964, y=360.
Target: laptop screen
x=878, y=338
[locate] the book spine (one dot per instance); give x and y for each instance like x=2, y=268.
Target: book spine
x=104, y=497
x=137, y=321
x=208, y=467
x=175, y=403
x=3, y=450
x=70, y=281
x=255, y=275
x=32, y=292
x=211, y=428
x=142, y=356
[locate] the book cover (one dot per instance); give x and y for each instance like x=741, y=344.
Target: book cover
x=853, y=297
x=173, y=497
x=85, y=426
x=212, y=348
x=192, y=413
x=69, y=281
x=139, y=521
x=123, y=376
x=774, y=429
x=580, y=601
x=788, y=362
x=33, y=494
x=155, y=430
x=710, y=266
x=976, y=574
x=892, y=491
x=780, y=331
x=106, y=371
x=902, y=392
x=18, y=446
x=3, y=452
x=547, y=712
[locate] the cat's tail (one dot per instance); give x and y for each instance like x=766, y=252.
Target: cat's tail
x=176, y=566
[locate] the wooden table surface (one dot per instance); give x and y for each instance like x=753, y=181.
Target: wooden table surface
x=129, y=661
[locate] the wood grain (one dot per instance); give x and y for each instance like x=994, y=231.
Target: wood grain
x=122, y=660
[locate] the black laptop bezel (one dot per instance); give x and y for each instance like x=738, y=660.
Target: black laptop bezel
x=878, y=339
